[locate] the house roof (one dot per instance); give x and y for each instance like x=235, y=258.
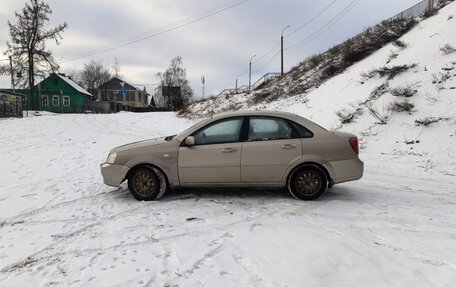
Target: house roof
x=108, y=84
x=74, y=85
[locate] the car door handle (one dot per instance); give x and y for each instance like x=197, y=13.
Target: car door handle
x=288, y=146
x=229, y=149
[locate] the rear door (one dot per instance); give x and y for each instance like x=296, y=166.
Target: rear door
x=216, y=155
x=269, y=150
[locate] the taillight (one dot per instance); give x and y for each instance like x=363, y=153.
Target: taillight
x=354, y=144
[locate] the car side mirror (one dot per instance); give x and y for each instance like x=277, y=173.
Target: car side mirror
x=190, y=141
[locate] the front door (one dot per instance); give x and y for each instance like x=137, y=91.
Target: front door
x=216, y=155
x=269, y=150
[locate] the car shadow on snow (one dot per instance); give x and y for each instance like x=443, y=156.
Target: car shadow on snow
x=336, y=193
x=222, y=193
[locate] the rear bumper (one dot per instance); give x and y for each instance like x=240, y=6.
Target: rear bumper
x=113, y=174
x=346, y=170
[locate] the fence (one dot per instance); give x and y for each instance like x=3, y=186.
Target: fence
x=243, y=89
x=418, y=10
x=266, y=78
x=10, y=105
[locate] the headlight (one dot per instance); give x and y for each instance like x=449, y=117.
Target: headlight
x=111, y=157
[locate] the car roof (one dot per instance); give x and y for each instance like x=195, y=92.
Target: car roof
x=254, y=113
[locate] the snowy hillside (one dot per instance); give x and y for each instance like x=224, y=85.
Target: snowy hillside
x=403, y=86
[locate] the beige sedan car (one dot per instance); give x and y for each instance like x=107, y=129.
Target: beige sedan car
x=239, y=149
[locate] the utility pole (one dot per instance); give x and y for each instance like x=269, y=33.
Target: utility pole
x=236, y=87
x=61, y=103
x=250, y=72
x=203, y=80
x=12, y=73
x=430, y=5
x=281, y=50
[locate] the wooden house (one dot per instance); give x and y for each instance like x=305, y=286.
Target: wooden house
x=121, y=92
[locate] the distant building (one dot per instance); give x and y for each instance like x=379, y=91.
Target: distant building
x=60, y=94
x=57, y=94
x=122, y=93
x=163, y=97
x=11, y=104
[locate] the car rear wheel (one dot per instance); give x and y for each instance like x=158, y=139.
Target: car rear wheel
x=147, y=183
x=307, y=182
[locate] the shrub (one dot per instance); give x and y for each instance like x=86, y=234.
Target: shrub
x=184, y=111
x=440, y=79
x=382, y=118
x=388, y=71
x=393, y=55
x=447, y=49
x=450, y=17
x=427, y=121
x=267, y=95
x=399, y=107
x=331, y=70
x=400, y=44
x=407, y=91
x=377, y=93
x=348, y=116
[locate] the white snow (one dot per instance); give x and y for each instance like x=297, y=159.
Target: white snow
x=59, y=225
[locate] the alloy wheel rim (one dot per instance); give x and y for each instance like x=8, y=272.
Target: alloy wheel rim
x=145, y=184
x=308, y=183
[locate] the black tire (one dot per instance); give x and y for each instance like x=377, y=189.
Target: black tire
x=307, y=182
x=146, y=183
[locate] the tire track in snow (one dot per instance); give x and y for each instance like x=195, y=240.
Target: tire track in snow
x=43, y=209
x=46, y=254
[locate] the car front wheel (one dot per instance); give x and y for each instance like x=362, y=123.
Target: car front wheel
x=147, y=183
x=307, y=182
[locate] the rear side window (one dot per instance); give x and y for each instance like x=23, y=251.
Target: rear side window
x=300, y=131
x=268, y=128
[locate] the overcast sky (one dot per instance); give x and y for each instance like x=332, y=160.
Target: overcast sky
x=218, y=47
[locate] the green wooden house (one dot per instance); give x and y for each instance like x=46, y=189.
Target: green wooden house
x=59, y=94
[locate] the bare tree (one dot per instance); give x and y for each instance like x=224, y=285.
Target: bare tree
x=175, y=76
x=74, y=75
x=27, y=41
x=4, y=69
x=94, y=74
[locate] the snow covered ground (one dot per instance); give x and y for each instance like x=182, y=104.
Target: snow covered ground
x=60, y=226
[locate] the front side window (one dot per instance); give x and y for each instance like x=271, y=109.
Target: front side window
x=266, y=128
x=45, y=102
x=66, y=101
x=220, y=132
x=55, y=101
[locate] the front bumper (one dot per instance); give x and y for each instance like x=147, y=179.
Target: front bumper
x=113, y=174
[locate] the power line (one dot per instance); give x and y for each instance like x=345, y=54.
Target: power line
x=267, y=63
x=312, y=19
x=325, y=27
x=291, y=33
x=259, y=59
x=267, y=53
x=163, y=30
